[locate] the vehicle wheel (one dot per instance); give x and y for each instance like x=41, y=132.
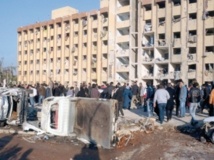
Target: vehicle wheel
x=212, y=136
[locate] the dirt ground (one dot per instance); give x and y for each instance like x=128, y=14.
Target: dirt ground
x=165, y=144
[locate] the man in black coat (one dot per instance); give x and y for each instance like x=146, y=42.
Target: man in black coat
x=118, y=95
x=170, y=102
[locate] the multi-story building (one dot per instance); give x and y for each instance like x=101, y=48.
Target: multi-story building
x=146, y=40
x=176, y=40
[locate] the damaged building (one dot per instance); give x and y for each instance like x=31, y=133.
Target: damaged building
x=125, y=40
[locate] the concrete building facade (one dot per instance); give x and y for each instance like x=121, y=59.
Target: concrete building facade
x=146, y=40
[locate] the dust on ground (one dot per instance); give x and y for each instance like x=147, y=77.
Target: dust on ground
x=164, y=143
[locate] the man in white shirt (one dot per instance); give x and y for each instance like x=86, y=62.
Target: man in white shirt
x=161, y=96
x=32, y=95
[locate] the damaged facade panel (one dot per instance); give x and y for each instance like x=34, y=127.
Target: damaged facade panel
x=90, y=119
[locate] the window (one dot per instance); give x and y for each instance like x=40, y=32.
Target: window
x=37, y=61
x=105, y=43
x=209, y=49
x=26, y=52
x=192, y=33
x=84, y=57
x=192, y=1
x=176, y=18
x=95, y=30
x=209, y=66
x=209, y=31
x=177, y=35
x=37, y=72
x=52, y=37
x=161, y=4
x=161, y=36
x=44, y=49
x=37, y=50
x=192, y=16
x=75, y=21
x=161, y=21
x=176, y=2
x=25, y=72
x=192, y=50
x=76, y=34
x=51, y=26
x=31, y=62
x=58, y=25
x=85, y=45
x=94, y=17
x=85, y=32
x=191, y=67
x=177, y=51
x=59, y=48
x=148, y=7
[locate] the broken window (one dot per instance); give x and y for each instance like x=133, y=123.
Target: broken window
x=192, y=1
x=176, y=18
x=94, y=70
x=177, y=35
x=105, y=43
x=161, y=41
x=177, y=51
x=176, y=2
x=84, y=22
x=209, y=66
x=192, y=36
x=148, y=26
x=161, y=21
x=161, y=4
x=192, y=68
x=209, y=49
x=148, y=7
x=209, y=31
x=210, y=13
x=192, y=16
x=104, y=17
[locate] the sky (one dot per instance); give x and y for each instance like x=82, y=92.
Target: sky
x=17, y=13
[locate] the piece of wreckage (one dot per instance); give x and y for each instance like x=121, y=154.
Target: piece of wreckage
x=207, y=133
x=91, y=120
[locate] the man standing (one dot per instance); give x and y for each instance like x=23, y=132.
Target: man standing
x=42, y=93
x=161, y=96
x=194, y=97
x=149, y=98
x=182, y=98
x=135, y=91
x=170, y=102
x=118, y=95
x=32, y=95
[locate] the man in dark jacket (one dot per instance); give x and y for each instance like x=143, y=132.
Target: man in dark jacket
x=135, y=91
x=170, y=102
x=194, y=97
x=118, y=95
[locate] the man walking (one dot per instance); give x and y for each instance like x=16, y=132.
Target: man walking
x=170, y=102
x=194, y=97
x=161, y=96
x=182, y=98
x=135, y=91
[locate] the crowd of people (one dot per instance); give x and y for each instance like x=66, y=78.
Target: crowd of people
x=159, y=99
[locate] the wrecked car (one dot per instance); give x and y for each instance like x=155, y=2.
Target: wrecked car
x=207, y=132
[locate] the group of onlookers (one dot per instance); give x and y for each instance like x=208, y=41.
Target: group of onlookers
x=160, y=99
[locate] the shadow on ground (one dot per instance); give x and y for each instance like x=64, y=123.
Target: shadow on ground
x=15, y=152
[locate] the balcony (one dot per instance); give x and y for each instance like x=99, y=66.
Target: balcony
x=209, y=22
x=176, y=58
x=161, y=12
x=209, y=40
x=123, y=9
x=208, y=75
x=104, y=63
x=176, y=10
x=176, y=26
x=122, y=68
x=104, y=49
x=191, y=75
x=192, y=7
x=94, y=24
x=176, y=42
x=122, y=53
x=161, y=29
x=93, y=75
x=192, y=24
x=76, y=27
x=123, y=24
x=84, y=64
x=121, y=39
x=148, y=15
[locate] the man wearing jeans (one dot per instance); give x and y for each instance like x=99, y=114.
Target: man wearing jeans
x=182, y=98
x=194, y=99
x=161, y=96
x=149, y=98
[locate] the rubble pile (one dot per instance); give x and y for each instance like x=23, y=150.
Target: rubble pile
x=127, y=129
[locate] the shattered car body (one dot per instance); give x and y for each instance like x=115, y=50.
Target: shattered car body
x=208, y=129
x=90, y=119
x=12, y=106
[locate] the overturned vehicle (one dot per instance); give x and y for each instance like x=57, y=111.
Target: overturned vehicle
x=91, y=120
x=207, y=133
